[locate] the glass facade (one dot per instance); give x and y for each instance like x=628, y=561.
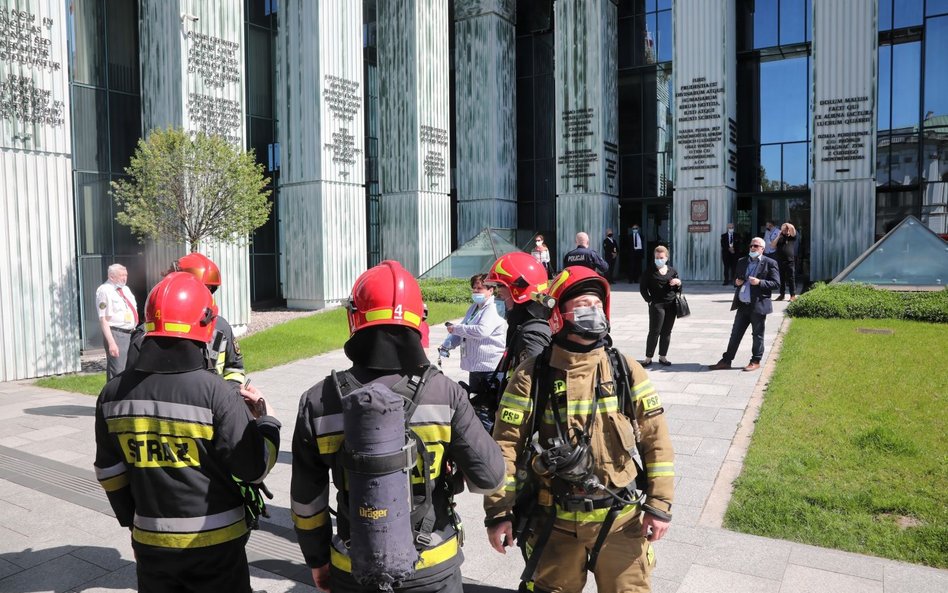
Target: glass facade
x=373, y=191
x=912, y=114
x=102, y=38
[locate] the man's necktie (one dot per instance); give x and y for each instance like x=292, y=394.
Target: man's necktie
x=129, y=303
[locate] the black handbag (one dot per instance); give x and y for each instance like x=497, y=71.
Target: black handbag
x=681, y=306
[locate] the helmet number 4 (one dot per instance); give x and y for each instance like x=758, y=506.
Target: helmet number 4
x=398, y=312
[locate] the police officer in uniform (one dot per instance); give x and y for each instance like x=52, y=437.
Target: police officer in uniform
x=223, y=351
x=170, y=440
x=588, y=415
x=118, y=316
x=584, y=256
x=386, y=321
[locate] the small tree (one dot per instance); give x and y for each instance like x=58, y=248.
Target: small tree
x=185, y=188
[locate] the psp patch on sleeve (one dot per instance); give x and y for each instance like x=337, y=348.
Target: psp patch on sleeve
x=510, y=416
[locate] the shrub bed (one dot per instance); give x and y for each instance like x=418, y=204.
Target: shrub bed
x=863, y=301
x=446, y=290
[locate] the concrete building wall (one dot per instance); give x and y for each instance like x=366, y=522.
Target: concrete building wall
x=485, y=115
x=414, y=143
x=321, y=131
x=586, y=136
x=843, y=205
x=192, y=68
x=705, y=64
x=39, y=301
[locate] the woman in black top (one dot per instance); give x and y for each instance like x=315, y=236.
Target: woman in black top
x=659, y=287
x=786, y=243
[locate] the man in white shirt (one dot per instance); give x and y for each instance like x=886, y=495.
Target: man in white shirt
x=118, y=316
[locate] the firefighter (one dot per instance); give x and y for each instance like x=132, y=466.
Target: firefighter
x=170, y=440
x=223, y=351
x=517, y=278
x=386, y=322
x=580, y=407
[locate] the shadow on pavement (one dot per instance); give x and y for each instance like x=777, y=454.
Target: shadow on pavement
x=64, y=411
x=684, y=367
x=471, y=587
x=60, y=568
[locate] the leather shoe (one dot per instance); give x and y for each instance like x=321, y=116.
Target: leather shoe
x=722, y=365
x=647, y=363
x=752, y=366
x=664, y=363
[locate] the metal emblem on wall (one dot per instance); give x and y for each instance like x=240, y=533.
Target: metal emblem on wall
x=699, y=214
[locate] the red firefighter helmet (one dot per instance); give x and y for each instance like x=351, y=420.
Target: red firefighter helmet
x=520, y=273
x=569, y=283
x=386, y=294
x=201, y=267
x=180, y=307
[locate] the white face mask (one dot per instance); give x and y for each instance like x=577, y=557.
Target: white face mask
x=538, y=243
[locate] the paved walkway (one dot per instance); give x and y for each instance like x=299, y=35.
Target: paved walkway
x=56, y=533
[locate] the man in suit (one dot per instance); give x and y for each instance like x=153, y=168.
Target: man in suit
x=610, y=251
x=730, y=243
x=636, y=252
x=757, y=276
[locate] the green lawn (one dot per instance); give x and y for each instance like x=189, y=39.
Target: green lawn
x=293, y=340
x=850, y=450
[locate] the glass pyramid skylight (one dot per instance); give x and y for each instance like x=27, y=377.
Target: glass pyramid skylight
x=910, y=256
x=474, y=257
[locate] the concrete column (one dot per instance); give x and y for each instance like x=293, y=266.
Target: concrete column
x=843, y=205
x=587, y=183
x=414, y=144
x=705, y=73
x=39, y=300
x=320, y=130
x=485, y=108
x=192, y=63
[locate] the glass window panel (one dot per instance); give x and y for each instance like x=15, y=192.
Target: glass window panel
x=525, y=181
x=792, y=21
x=770, y=168
x=264, y=237
x=651, y=38
x=125, y=124
x=543, y=116
x=125, y=242
x=123, y=45
x=630, y=110
x=933, y=7
x=784, y=115
x=525, y=115
x=261, y=135
x=936, y=68
x=884, y=89
x=885, y=15
x=935, y=154
x=545, y=180
x=665, y=36
x=92, y=272
x=543, y=53
x=795, y=163
x=638, y=40
x=525, y=55
x=892, y=207
x=265, y=284
x=259, y=69
x=256, y=11
x=883, y=144
x=626, y=33
x=650, y=112
x=903, y=159
x=652, y=175
x=94, y=213
x=664, y=4
x=748, y=169
x=87, y=43
x=765, y=23
x=90, y=129
x=525, y=215
x=906, y=70
x=630, y=178
x=907, y=13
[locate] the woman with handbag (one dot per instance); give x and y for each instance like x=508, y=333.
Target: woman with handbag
x=660, y=287
x=541, y=253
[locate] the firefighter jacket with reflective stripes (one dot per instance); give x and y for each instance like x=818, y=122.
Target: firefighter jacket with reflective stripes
x=572, y=384
x=223, y=351
x=444, y=420
x=169, y=448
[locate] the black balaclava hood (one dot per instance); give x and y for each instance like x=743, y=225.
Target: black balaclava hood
x=170, y=355
x=386, y=348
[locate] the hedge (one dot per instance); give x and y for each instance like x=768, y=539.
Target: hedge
x=446, y=290
x=863, y=301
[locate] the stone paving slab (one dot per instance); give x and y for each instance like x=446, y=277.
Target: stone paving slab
x=51, y=541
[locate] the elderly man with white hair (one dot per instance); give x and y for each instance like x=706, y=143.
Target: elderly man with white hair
x=584, y=256
x=118, y=316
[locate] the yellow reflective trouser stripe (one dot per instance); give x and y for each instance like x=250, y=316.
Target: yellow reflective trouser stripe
x=329, y=444
x=112, y=484
x=200, y=539
x=510, y=484
x=593, y=516
x=659, y=469
x=160, y=426
x=510, y=400
x=309, y=523
x=430, y=557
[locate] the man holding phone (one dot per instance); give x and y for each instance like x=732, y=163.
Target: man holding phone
x=756, y=276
